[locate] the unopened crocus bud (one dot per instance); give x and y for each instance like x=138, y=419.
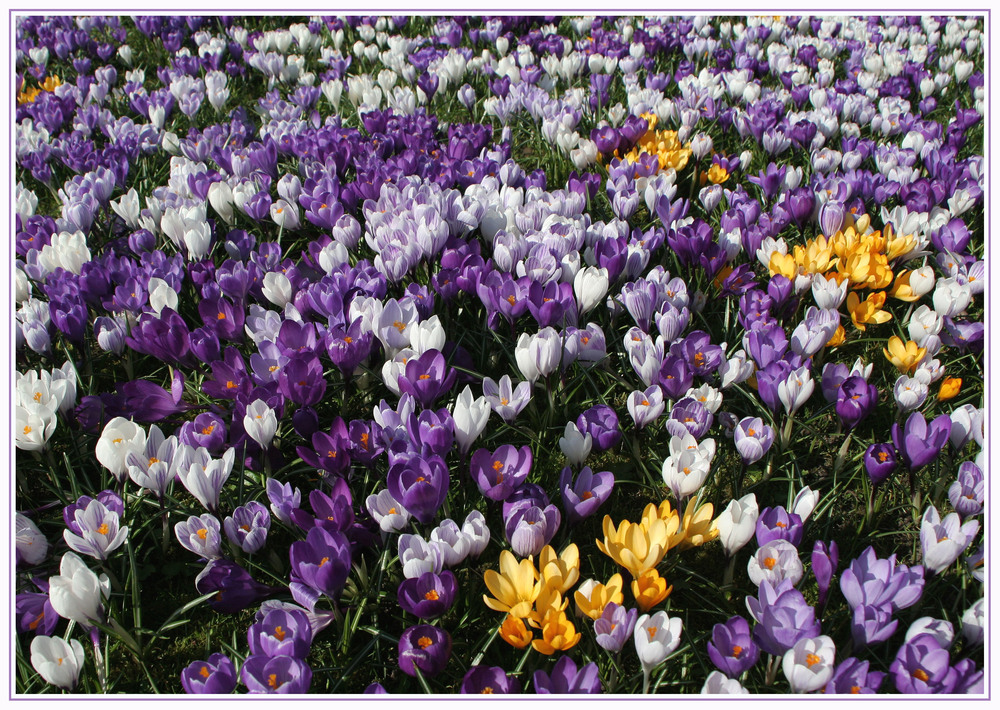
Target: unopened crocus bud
x=824, y=564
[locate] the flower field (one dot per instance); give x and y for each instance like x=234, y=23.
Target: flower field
x=513, y=354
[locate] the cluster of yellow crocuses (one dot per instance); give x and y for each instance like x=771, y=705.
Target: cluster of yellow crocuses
x=537, y=595
x=669, y=151
x=28, y=94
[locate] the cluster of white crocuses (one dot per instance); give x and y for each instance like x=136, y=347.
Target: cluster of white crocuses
x=448, y=544
x=39, y=396
x=152, y=462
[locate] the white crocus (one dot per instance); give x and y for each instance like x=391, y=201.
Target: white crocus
x=808, y=665
x=76, y=593
x=574, y=444
x=57, y=661
x=119, y=438
x=737, y=523
x=260, y=423
x=470, y=415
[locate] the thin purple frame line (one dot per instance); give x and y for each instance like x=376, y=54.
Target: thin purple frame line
x=987, y=13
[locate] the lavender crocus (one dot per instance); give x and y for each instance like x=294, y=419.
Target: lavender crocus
x=567, y=679
x=248, y=526
x=615, y=626
x=922, y=666
x=782, y=617
x=97, y=531
x=427, y=377
x=216, y=676
x=852, y=676
x=732, y=648
x=942, y=541
x=753, y=439
x=200, y=535
x=966, y=493
x=646, y=406
x=824, y=565
x=870, y=581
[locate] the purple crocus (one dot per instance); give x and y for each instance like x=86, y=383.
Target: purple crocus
x=782, y=616
x=966, y=493
x=34, y=613
x=301, y=379
x=427, y=377
x=200, y=535
x=234, y=588
x=283, y=675
x=282, y=632
x=855, y=400
x=420, y=485
x=489, y=680
x=753, y=439
x=614, y=627
x=853, y=677
x=531, y=528
x=216, y=676
x=601, y=422
x=320, y=565
x=247, y=527
x=824, y=564
x=732, y=648
x=871, y=624
x=880, y=462
x=499, y=472
x=428, y=596
x=96, y=531
x=778, y=524
x=425, y=647
x=918, y=442
x=922, y=666
x=689, y=416
x=566, y=679
x=583, y=496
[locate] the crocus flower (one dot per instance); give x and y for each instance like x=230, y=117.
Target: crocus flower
x=732, y=648
x=204, y=476
x=922, y=666
x=283, y=675
x=498, y=473
x=918, y=442
x=99, y=532
x=120, y=436
x=870, y=581
x=247, y=527
x=737, y=523
x=234, y=588
x=824, y=564
x=283, y=499
x=489, y=680
x=855, y=401
x=566, y=679
x=796, y=389
x=505, y=399
x=30, y=544
x=586, y=494
x=656, y=637
x=646, y=406
x=530, y=528
x=216, y=676
x=942, y=541
x=614, y=627
x=753, y=439
x=59, y=662
x=973, y=623
x=514, y=588
x=718, y=684
x=808, y=665
x=429, y=595
x=774, y=561
x=592, y=597
x=940, y=629
x=852, y=676
x=782, y=616
x=880, y=462
x=452, y=541
x=282, y=632
x=872, y=624
x=427, y=377
x=575, y=444
x=635, y=546
x=418, y=556
x=476, y=532
x=778, y=524
x=260, y=423
x=320, y=565
x=966, y=493
x=425, y=647
x=76, y=593
x=200, y=535
x=375, y=689
x=601, y=423
x=420, y=484
x=470, y=416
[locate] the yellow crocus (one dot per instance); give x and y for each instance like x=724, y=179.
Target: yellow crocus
x=671, y=518
x=650, y=589
x=784, y=265
x=633, y=546
x=51, y=82
x=717, y=174
x=548, y=599
x=514, y=632
x=905, y=356
x=515, y=588
x=950, y=387
x=866, y=269
x=897, y=246
x=837, y=338
x=868, y=311
x=558, y=634
x=910, y=292
x=559, y=572
x=696, y=524
x=592, y=597
x=816, y=257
